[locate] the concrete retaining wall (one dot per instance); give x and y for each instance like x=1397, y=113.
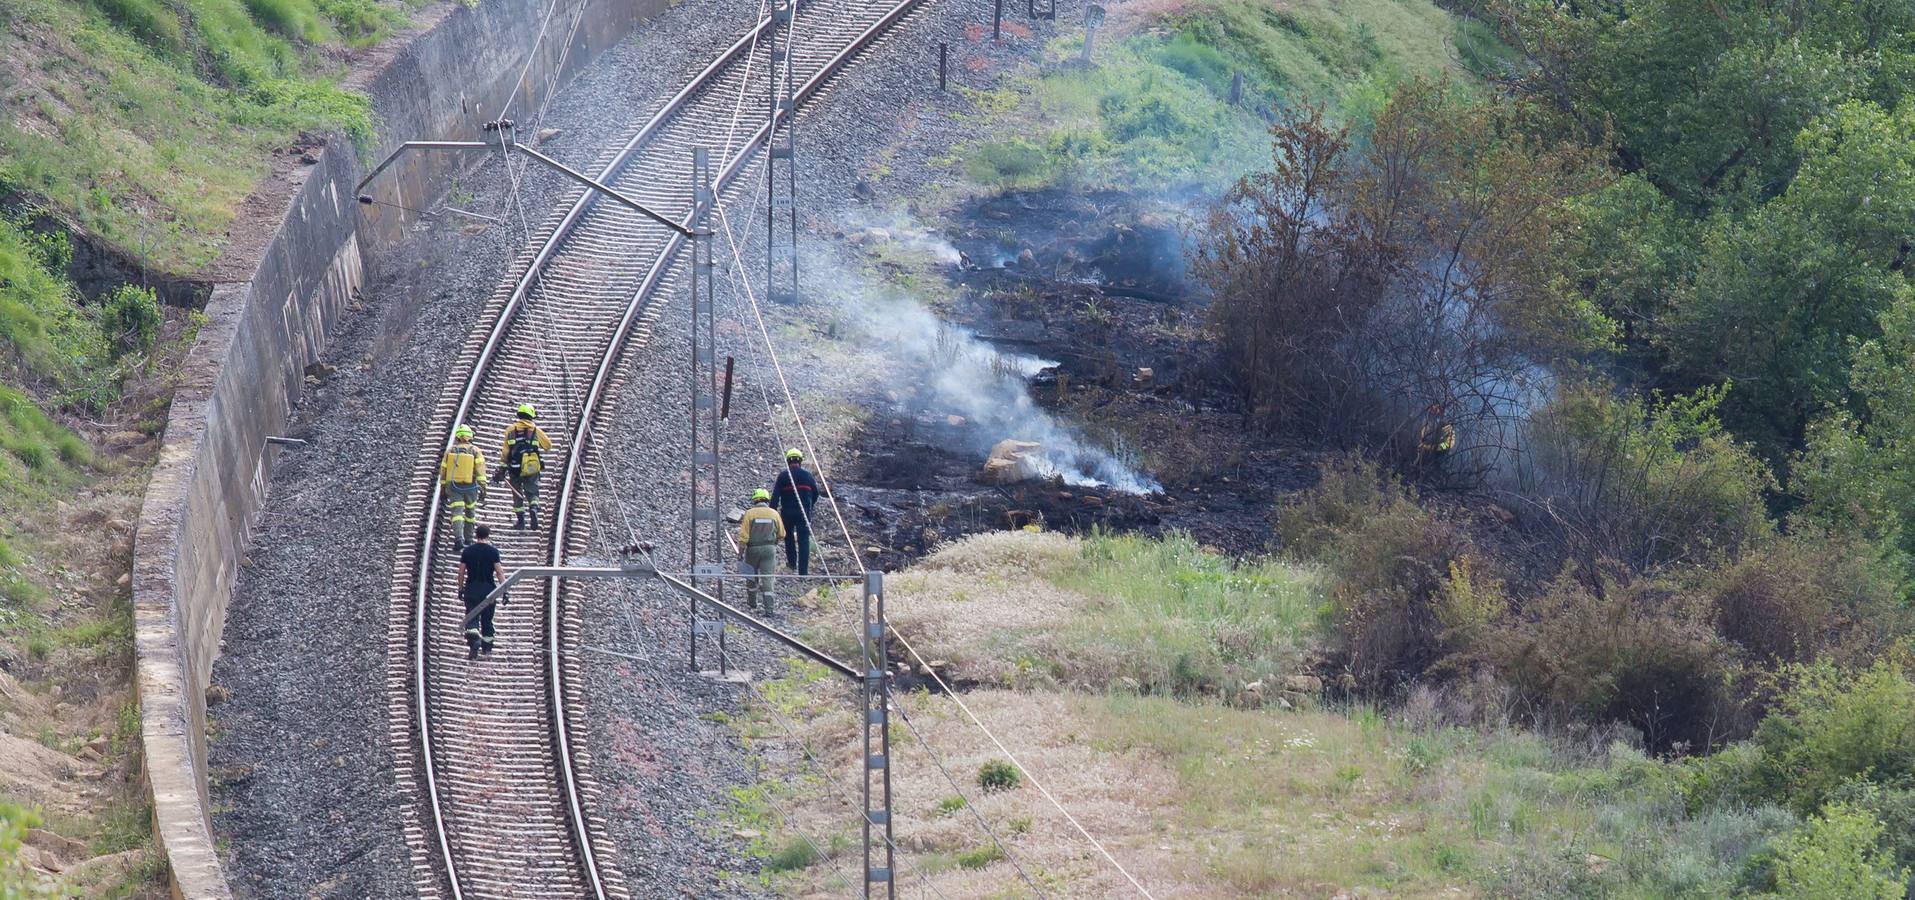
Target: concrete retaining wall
x=246, y=369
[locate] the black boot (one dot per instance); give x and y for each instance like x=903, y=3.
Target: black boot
x=518, y=520
x=535, y=518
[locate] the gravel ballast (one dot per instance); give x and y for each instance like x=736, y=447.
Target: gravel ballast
x=304, y=797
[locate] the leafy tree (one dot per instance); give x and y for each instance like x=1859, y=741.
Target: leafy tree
x=1778, y=294
x=1705, y=98
x=1858, y=470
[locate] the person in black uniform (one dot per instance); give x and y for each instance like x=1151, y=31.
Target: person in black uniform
x=480, y=570
x=793, y=493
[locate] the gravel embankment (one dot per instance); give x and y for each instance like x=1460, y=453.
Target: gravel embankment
x=300, y=761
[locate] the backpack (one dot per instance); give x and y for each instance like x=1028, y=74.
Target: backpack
x=523, y=458
x=464, y=466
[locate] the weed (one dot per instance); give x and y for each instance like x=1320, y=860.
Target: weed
x=979, y=857
x=949, y=805
x=998, y=775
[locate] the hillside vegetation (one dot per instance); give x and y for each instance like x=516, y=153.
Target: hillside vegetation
x=1245, y=776
x=1156, y=109
x=146, y=122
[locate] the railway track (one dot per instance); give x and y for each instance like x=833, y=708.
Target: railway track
x=491, y=749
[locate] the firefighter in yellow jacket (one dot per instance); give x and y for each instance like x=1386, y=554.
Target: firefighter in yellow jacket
x=462, y=483
x=759, y=533
x=523, y=455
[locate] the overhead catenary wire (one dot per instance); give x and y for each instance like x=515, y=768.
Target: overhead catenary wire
x=968, y=805
x=946, y=688
x=804, y=434
x=810, y=756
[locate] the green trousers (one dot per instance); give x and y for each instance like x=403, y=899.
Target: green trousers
x=762, y=561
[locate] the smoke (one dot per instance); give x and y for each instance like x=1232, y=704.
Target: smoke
x=959, y=374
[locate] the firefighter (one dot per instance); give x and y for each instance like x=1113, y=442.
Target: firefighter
x=759, y=533
x=480, y=571
x=523, y=454
x=794, y=491
x=1437, y=438
x=462, y=483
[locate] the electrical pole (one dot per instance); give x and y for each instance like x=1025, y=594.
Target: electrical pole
x=781, y=163
x=877, y=742
x=706, y=501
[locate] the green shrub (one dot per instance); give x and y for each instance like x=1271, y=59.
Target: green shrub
x=1894, y=807
x=16, y=879
x=998, y=775
x=1406, y=590
x=1014, y=163
x=1644, y=484
x=1835, y=857
x=979, y=857
x=1638, y=651
x=1829, y=728
x=791, y=856
x=950, y=804
x=1804, y=597
x=131, y=319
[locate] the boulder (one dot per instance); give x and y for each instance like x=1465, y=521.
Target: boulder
x=1303, y=684
x=1012, y=461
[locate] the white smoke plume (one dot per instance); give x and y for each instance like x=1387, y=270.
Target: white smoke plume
x=963, y=375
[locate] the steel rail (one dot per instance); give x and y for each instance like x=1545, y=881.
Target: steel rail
x=422, y=711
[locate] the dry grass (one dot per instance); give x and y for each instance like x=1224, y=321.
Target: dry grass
x=1202, y=799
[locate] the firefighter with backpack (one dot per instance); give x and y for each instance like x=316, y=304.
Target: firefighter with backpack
x=524, y=459
x=462, y=481
x=760, y=532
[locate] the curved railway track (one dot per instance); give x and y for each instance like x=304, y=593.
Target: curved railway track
x=490, y=749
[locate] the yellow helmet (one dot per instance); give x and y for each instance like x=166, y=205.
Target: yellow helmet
x=463, y=432
x=760, y=496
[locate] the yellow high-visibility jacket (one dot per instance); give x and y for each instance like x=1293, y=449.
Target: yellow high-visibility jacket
x=512, y=431
x=463, y=465
x=756, y=512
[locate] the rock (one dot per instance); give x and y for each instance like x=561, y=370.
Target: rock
x=873, y=551
x=1283, y=704
x=955, y=421
x=1144, y=376
x=217, y=694
x=89, y=754
x=1011, y=461
x=863, y=190
x=1303, y=684
x=1346, y=681
x=1026, y=259
x=870, y=236
x=546, y=134
x=120, y=440
x=124, y=578
x=99, y=744
x=747, y=834
x=1127, y=683
x=53, y=843
x=735, y=516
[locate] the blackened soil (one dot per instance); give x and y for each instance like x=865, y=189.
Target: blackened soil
x=1095, y=283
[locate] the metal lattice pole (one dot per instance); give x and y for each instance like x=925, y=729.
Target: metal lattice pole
x=781, y=256
x=704, y=431
x=877, y=742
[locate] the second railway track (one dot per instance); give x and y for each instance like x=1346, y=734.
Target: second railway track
x=490, y=749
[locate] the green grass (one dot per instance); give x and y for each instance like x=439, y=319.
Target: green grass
x=1183, y=621
x=148, y=122
x=1154, y=111
x=1359, y=802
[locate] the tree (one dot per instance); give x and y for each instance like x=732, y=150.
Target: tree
x=1835, y=856
x=1777, y=295
x=1353, y=289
